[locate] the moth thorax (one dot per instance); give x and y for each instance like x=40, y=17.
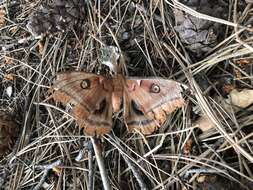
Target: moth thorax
x=116, y=101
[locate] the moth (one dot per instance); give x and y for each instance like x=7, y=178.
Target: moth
x=94, y=98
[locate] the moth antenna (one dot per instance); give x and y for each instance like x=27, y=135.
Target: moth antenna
x=186, y=88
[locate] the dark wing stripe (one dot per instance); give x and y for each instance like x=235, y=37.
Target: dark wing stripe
x=162, y=102
x=97, y=124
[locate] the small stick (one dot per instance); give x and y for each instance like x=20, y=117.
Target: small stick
x=46, y=169
x=42, y=180
x=90, y=165
x=101, y=165
x=130, y=164
x=135, y=172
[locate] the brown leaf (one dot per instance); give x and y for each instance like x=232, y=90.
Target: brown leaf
x=8, y=132
x=236, y=100
x=8, y=60
x=2, y=15
x=188, y=147
x=241, y=98
x=204, y=123
x=227, y=88
x=41, y=47
x=9, y=77
x=238, y=73
x=243, y=62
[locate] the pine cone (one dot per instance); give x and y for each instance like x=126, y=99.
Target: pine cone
x=56, y=17
x=199, y=35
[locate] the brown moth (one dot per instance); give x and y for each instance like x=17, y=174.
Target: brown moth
x=94, y=98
